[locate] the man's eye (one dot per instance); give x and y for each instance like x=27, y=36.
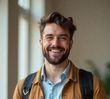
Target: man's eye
x=63, y=38
x=49, y=37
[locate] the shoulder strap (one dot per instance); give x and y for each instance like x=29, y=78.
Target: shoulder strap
x=86, y=84
x=27, y=85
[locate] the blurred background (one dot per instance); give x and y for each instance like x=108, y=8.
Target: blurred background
x=20, y=52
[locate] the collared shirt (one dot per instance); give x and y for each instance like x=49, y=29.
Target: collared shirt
x=54, y=91
x=71, y=89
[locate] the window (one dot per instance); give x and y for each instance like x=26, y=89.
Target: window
x=23, y=47
x=29, y=54
x=24, y=4
x=23, y=27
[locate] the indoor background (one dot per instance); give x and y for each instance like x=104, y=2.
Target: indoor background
x=20, y=52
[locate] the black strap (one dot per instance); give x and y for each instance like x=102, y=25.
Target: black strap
x=86, y=84
x=27, y=85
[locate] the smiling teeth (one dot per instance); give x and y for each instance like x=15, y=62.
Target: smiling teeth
x=55, y=51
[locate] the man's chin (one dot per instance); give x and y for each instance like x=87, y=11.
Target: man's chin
x=55, y=61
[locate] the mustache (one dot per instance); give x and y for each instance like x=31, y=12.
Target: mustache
x=51, y=48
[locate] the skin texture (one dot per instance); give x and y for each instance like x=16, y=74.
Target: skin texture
x=56, y=45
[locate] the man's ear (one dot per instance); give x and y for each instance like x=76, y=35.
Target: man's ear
x=71, y=43
x=40, y=41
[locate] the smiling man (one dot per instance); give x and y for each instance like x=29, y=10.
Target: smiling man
x=56, y=44
x=58, y=78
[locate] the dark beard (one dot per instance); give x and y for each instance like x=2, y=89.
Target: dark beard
x=62, y=59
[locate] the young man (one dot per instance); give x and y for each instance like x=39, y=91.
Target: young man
x=58, y=78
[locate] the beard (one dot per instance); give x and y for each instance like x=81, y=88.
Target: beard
x=56, y=58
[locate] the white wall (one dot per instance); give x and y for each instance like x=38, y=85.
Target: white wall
x=3, y=49
x=91, y=40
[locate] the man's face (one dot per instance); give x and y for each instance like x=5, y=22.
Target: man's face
x=56, y=44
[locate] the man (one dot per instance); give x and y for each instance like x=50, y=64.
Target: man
x=58, y=78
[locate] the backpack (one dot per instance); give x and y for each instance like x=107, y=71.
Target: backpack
x=86, y=84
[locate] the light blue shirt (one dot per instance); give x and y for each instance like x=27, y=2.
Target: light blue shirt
x=54, y=91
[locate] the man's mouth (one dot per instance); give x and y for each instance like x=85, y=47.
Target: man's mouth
x=56, y=50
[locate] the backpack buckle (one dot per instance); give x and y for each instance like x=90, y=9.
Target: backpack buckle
x=25, y=92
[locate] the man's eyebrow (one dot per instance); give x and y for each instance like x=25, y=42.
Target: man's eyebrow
x=49, y=35
x=64, y=34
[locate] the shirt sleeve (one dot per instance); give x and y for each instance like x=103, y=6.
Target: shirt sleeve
x=99, y=91
x=18, y=90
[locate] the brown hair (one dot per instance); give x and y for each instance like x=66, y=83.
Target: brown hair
x=55, y=17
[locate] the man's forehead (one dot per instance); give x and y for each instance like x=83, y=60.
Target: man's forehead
x=55, y=29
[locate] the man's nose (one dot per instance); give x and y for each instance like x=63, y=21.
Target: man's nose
x=56, y=42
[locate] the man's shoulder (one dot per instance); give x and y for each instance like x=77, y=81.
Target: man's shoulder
x=21, y=81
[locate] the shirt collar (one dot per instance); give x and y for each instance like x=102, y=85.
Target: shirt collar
x=64, y=75
x=72, y=74
x=66, y=71
x=43, y=74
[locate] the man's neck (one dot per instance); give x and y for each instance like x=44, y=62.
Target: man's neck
x=53, y=72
